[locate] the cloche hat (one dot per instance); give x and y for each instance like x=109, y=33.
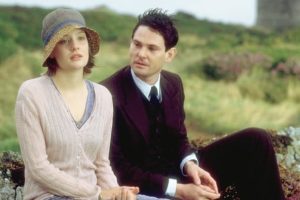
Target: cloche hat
x=62, y=21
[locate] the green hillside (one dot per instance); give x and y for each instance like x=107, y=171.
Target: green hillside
x=234, y=77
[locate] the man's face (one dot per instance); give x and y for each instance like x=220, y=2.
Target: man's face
x=148, y=54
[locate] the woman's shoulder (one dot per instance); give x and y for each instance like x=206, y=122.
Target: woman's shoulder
x=34, y=86
x=100, y=89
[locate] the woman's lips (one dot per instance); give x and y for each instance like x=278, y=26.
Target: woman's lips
x=76, y=56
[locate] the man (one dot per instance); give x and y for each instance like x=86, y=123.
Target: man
x=150, y=147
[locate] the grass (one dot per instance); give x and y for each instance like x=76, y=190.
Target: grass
x=218, y=108
x=212, y=107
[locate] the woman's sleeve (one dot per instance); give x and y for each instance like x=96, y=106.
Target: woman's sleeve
x=106, y=177
x=33, y=149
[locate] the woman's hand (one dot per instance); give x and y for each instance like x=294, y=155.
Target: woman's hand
x=120, y=193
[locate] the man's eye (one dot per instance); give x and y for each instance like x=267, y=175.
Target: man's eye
x=137, y=44
x=152, y=48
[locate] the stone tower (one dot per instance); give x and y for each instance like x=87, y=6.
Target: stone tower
x=278, y=14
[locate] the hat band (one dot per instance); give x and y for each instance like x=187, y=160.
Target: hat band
x=59, y=26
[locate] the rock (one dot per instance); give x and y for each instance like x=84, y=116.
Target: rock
x=7, y=192
x=11, y=176
x=287, y=147
x=286, y=144
x=19, y=193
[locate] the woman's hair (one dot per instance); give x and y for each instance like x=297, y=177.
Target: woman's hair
x=60, y=22
x=52, y=65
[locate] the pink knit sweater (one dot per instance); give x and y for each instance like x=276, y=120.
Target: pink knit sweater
x=59, y=158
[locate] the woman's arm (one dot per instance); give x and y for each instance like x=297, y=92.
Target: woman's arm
x=106, y=177
x=33, y=149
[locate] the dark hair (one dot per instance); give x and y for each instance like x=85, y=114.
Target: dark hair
x=158, y=20
x=52, y=65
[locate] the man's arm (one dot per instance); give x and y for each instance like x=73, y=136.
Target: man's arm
x=203, y=184
x=200, y=176
x=127, y=171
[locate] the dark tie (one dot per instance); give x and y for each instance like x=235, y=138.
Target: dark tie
x=153, y=96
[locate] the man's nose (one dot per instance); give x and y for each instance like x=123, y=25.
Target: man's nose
x=142, y=52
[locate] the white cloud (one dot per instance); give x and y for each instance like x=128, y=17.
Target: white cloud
x=227, y=11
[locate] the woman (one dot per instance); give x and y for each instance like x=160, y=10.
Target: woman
x=64, y=121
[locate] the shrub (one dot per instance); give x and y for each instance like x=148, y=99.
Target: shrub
x=287, y=67
x=259, y=84
x=8, y=48
x=293, y=91
x=230, y=66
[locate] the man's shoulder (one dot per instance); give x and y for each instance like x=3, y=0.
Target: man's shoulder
x=115, y=83
x=116, y=78
x=170, y=76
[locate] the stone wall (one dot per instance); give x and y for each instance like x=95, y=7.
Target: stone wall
x=11, y=176
x=286, y=144
x=278, y=14
x=287, y=147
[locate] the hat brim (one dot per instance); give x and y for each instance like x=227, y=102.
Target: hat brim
x=92, y=36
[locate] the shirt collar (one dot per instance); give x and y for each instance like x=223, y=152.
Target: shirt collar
x=145, y=87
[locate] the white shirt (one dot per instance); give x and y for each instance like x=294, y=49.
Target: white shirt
x=145, y=89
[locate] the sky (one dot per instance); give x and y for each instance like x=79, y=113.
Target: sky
x=227, y=11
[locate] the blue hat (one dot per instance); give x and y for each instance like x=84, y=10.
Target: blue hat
x=62, y=21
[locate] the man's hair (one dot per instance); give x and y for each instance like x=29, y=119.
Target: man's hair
x=158, y=20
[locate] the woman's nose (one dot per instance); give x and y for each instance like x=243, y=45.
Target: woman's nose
x=73, y=44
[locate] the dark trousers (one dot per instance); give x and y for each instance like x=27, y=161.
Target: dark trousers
x=245, y=159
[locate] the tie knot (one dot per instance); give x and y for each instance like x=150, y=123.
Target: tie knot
x=153, y=95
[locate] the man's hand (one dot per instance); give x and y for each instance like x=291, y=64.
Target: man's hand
x=120, y=193
x=200, y=176
x=195, y=192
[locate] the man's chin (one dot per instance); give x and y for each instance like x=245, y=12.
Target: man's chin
x=139, y=69
x=139, y=66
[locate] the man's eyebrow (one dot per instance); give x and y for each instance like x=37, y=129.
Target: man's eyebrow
x=146, y=44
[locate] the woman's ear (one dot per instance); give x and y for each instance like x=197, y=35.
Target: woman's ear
x=170, y=54
x=52, y=55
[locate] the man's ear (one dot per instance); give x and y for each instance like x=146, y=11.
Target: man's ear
x=170, y=54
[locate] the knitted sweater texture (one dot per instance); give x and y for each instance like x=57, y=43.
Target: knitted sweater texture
x=59, y=158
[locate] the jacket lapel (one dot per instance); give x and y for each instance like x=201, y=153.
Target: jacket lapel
x=170, y=101
x=135, y=109
x=134, y=106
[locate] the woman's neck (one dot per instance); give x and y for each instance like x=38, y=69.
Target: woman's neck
x=68, y=81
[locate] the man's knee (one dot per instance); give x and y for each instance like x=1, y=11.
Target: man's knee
x=258, y=136
x=255, y=133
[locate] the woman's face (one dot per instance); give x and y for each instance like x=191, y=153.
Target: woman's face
x=72, y=51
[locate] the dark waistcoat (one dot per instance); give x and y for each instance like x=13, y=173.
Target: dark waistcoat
x=157, y=148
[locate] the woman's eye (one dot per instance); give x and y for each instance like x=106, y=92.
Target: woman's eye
x=81, y=37
x=62, y=41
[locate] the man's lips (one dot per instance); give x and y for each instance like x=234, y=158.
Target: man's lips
x=138, y=63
